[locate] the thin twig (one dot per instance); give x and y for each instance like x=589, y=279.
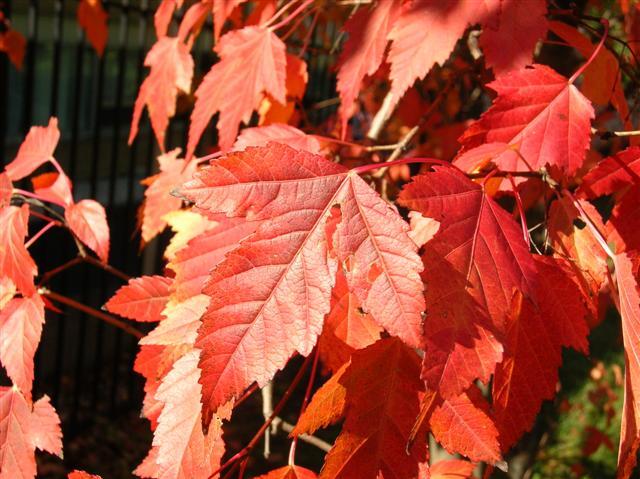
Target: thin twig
x=106, y=267
x=107, y=318
x=276, y=412
x=308, y=438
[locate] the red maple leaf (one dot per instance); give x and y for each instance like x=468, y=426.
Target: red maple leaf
x=346, y=328
x=624, y=223
x=194, y=263
x=54, y=187
x=289, y=472
x=92, y=18
x=182, y=448
x=363, y=51
x=24, y=428
x=82, y=475
x=540, y=113
x=629, y=306
x=269, y=296
x=289, y=135
x=14, y=44
x=379, y=393
x=142, y=299
x=88, y=221
x=511, y=33
x=171, y=72
x=613, y=174
x=252, y=62
x=21, y=323
x=15, y=261
x=36, y=149
x=158, y=200
x=463, y=426
x=163, y=15
x=451, y=469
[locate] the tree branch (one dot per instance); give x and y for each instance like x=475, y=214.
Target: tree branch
x=107, y=318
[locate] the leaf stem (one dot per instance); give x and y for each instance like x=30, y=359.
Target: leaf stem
x=59, y=269
x=29, y=194
x=605, y=23
x=92, y=312
x=42, y=231
x=291, y=16
x=403, y=161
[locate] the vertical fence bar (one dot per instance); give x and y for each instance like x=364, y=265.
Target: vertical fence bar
x=72, y=173
x=30, y=65
x=113, y=174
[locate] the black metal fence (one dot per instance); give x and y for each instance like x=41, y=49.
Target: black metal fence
x=85, y=366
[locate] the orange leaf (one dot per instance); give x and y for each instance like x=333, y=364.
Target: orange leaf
x=92, y=18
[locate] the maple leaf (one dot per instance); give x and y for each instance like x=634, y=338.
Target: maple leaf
x=269, y=296
x=252, y=62
x=186, y=225
x=451, y=469
x=613, y=174
x=7, y=291
x=542, y=114
x=158, y=200
x=21, y=323
x=271, y=111
x=629, y=305
x=221, y=11
x=153, y=362
x=88, y=221
x=82, y=475
x=181, y=324
x=15, y=261
x=6, y=190
x=462, y=425
x=183, y=450
x=602, y=77
x=327, y=405
x=624, y=222
x=363, y=51
x=36, y=149
x=171, y=72
x=425, y=34
x=289, y=135
x=16, y=450
x=193, y=264
x=532, y=349
x=53, y=187
x=14, y=44
x=18, y=440
x=346, y=327
x=510, y=36
x=46, y=434
x=92, y=18
x=289, y=472
x=163, y=15
x=382, y=400
x=475, y=260
x=585, y=256
x=141, y=299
